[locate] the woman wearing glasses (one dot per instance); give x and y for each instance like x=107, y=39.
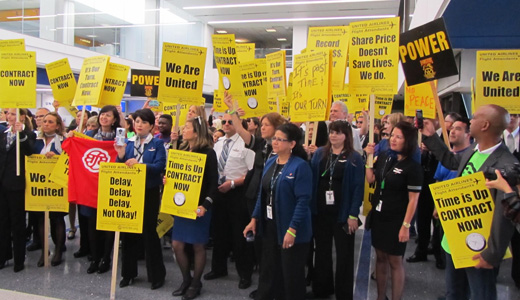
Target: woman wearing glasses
x=282, y=217
x=144, y=149
x=338, y=177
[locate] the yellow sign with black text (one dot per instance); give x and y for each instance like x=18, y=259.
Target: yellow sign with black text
x=311, y=90
x=17, y=45
x=374, y=56
x=18, y=79
x=276, y=74
x=356, y=103
x=419, y=96
x=91, y=79
x=225, y=54
x=164, y=224
x=336, y=39
x=116, y=77
x=41, y=194
x=171, y=109
x=383, y=106
x=465, y=208
x=498, y=79
x=370, y=188
x=182, y=73
x=254, y=103
x=121, y=197
x=62, y=81
x=184, y=171
x=218, y=101
x=245, y=52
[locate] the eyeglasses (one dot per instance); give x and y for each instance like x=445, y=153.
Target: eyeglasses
x=276, y=139
x=230, y=122
x=384, y=134
x=359, y=122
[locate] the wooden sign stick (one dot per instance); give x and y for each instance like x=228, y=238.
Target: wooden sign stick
x=46, y=239
x=440, y=115
x=314, y=133
x=115, y=260
x=277, y=104
x=80, y=125
x=370, y=158
x=307, y=125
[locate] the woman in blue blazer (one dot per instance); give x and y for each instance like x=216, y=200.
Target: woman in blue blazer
x=49, y=142
x=338, y=188
x=143, y=148
x=283, y=217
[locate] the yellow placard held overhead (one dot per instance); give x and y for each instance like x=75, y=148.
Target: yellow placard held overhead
x=121, y=197
x=91, y=79
x=62, y=81
x=336, y=39
x=498, y=79
x=41, y=194
x=182, y=73
x=18, y=79
x=218, y=102
x=245, y=52
x=276, y=74
x=374, y=56
x=419, y=96
x=181, y=192
x=171, y=109
x=465, y=208
x=254, y=102
x=356, y=103
x=383, y=105
x=155, y=105
x=225, y=54
x=17, y=45
x=311, y=91
x=114, y=86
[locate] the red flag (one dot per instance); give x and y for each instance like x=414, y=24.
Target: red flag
x=84, y=158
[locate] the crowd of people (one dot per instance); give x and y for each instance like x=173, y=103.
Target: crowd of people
x=275, y=200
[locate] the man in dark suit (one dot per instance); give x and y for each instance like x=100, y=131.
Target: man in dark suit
x=486, y=127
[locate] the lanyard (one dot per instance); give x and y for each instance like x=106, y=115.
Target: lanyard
x=330, y=166
x=273, y=181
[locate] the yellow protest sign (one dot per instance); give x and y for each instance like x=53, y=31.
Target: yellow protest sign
x=465, y=208
x=181, y=192
x=245, y=52
x=18, y=79
x=374, y=56
x=218, y=102
x=91, y=79
x=114, y=86
x=171, y=109
x=121, y=197
x=356, y=103
x=225, y=54
x=254, y=84
x=336, y=39
x=419, y=96
x=60, y=171
x=370, y=188
x=383, y=106
x=164, y=223
x=276, y=74
x=182, y=73
x=155, y=105
x=498, y=79
x=17, y=45
x=311, y=92
x=62, y=81
x=41, y=194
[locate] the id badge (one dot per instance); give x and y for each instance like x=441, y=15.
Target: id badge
x=379, y=205
x=329, y=197
x=269, y=212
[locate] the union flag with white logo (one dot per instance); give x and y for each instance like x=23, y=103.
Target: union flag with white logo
x=84, y=158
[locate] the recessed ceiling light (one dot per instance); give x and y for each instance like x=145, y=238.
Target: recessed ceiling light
x=282, y=39
x=241, y=40
x=221, y=31
x=270, y=30
x=91, y=35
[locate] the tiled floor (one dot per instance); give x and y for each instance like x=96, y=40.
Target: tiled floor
x=70, y=280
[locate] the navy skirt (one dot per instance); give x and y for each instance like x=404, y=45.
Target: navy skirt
x=191, y=231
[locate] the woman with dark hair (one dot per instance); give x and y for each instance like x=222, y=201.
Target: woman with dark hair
x=196, y=232
x=12, y=188
x=49, y=143
x=398, y=180
x=129, y=128
x=101, y=242
x=338, y=178
x=144, y=149
x=253, y=126
x=283, y=217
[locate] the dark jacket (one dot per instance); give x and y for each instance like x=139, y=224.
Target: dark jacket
x=502, y=229
x=39, y=144
x=353, y=184
x=292, y=198
x=209, y=186
x=8, y=178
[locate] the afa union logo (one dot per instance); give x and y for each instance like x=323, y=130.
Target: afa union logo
x=93, y=157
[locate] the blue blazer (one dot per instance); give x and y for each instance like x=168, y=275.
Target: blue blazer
x=293, y=194
x=353, y=185
x=154, y=157
x=39, y=144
